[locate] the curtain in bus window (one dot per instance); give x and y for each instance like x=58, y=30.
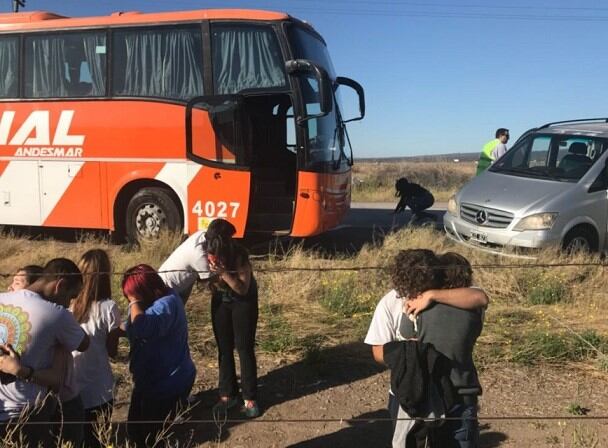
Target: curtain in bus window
x=246, y=58
x=160, y=63
x=46, y=68
x=93, y=68
x=8, y=68
x=66, y=65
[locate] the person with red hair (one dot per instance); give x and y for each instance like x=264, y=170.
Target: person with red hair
x=160, y=363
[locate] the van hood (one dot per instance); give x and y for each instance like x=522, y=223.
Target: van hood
x=518, y=195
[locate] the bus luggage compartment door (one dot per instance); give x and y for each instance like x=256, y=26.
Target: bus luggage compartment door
x=216, y=145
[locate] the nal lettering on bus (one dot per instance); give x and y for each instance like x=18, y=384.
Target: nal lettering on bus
x=33, y=138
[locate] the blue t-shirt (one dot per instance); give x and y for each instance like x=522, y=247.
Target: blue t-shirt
x=160, y=356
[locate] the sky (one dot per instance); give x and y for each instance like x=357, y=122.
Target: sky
x=440, y=76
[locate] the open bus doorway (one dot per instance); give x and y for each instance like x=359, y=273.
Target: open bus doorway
x=274, y=163
x=254, y=140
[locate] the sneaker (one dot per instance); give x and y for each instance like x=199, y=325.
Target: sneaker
x=224, y=404
x=251, y=409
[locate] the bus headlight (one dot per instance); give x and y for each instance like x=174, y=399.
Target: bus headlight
x=453, y=206
x=539, y=221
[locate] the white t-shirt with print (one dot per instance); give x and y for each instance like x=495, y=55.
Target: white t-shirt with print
x=92, y=368
x=187, y=263
x=35, y=328
x=385, y=324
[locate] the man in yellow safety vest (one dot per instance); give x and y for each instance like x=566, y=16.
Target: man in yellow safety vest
x=493, y=150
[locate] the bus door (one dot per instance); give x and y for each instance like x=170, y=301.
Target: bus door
x=218, y=147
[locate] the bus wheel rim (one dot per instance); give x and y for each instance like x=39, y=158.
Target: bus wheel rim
x=149, y=220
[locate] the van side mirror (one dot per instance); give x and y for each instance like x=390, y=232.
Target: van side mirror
x=297, y=67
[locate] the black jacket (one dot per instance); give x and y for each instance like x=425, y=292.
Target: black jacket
x=414, y=367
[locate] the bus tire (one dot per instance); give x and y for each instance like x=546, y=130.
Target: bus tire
x=150, y=212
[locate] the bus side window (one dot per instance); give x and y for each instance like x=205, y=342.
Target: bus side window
x=9, y=67
x=65, y=65
x=165, y=62
x=245, y=57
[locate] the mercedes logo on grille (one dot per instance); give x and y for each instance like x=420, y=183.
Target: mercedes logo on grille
x=481, y=217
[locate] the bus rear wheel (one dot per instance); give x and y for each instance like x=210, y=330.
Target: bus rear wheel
x=151, y=211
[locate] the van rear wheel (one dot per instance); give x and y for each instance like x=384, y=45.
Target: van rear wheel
x=580, y=240
x=150, y=212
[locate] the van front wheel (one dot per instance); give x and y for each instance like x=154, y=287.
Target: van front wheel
x=580, y=239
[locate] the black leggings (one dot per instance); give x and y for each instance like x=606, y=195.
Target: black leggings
x=234, y=326
x=98, y=415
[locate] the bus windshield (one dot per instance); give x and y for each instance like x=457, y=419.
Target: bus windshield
x=324, y=133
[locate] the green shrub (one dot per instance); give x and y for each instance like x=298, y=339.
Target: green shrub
x=548, y=293
x=277, y=335
x=341, y=296
x=538, y=346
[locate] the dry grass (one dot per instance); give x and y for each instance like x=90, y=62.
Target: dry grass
x=535, y=314
x=375, y=181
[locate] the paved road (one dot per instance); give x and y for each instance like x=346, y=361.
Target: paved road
x=366, y=223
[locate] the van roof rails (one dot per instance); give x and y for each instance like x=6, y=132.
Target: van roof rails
x=582, y=120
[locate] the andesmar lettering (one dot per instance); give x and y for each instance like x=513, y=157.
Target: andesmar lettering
x=48, y=152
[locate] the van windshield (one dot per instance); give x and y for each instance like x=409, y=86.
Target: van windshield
x=556, y=157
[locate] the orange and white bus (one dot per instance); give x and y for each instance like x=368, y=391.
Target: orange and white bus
x=137, y=123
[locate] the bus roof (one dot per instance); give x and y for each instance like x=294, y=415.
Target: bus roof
x=42, y=20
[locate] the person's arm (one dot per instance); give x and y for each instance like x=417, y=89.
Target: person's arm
x=382, y=327
x=238, y=281
x=10, y=363
x=84, y=343
x=114, y=330
x=378, y=353
x=112, y=341
x=464, y=298
x=70, y=334
x=151, y=322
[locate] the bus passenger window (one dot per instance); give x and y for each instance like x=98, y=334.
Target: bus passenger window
x=65, y=65
x=162, y=62
x=9, y=67
x=245, y=57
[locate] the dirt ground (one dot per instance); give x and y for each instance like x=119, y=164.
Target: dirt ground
x=343, y=383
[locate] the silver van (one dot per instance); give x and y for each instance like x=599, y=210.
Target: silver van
x=549, y=189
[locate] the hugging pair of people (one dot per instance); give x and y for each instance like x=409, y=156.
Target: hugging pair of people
x=429, y=322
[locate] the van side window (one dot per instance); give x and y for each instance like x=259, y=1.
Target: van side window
x=9, y=67
x=165, y=62
x=65, y=65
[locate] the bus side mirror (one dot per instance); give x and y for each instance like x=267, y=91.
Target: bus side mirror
x=342, y=81
x=305, y=67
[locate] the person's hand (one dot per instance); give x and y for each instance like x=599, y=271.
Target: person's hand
x=419, y=303
x=10, y=362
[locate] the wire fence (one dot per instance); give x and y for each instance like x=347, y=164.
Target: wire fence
x=602, y=264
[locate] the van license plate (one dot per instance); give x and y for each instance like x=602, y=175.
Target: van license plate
x=479, y=237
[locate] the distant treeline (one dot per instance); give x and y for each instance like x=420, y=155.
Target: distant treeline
x=462, y=157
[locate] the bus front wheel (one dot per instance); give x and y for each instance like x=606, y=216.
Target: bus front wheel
x=150, y=212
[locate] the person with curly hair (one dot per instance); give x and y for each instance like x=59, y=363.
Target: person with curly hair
x=412, y=272
x=453, y=332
